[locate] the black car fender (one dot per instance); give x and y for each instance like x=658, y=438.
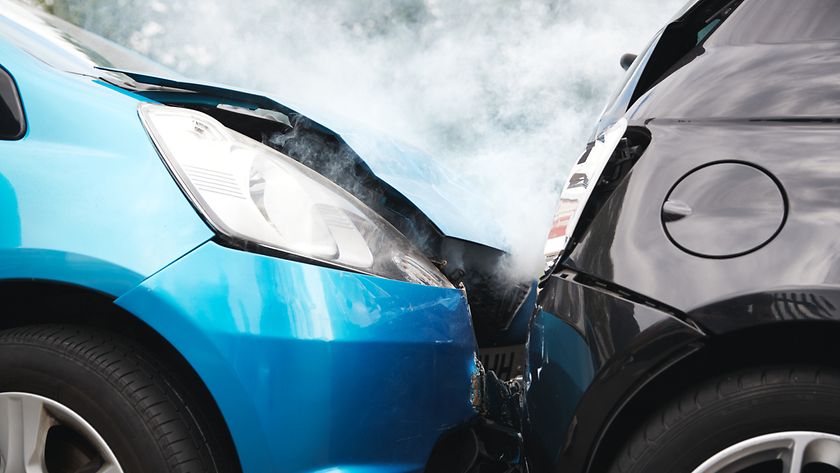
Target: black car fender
x=591, y=351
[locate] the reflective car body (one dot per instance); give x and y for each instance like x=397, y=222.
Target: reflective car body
x=713, y=245
x=313, y=368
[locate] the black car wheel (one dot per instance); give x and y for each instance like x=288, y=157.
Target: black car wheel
x=763, y=420
x=77, y=400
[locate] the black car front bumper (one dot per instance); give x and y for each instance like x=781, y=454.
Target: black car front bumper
x=591, y=348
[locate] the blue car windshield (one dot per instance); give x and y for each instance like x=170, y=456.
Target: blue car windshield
x=66, y=46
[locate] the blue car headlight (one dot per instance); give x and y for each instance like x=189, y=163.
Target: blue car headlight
x=254, y=195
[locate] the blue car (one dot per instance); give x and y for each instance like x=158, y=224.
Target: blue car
x=196, y=278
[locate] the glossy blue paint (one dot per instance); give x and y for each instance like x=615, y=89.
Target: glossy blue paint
x=316, y=369
x=520, y=325
x=84, y=196
x=438, y=192
x=561, y=368
x=313, y=369
x=442, y=195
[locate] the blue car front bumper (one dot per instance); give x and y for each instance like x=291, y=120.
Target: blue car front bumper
x=316, y=369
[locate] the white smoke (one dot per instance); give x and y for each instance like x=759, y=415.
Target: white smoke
x=503, y=92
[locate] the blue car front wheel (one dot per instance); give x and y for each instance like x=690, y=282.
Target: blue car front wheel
x=80, y=400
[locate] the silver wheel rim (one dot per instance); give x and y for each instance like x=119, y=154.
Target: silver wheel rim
x=794, y=449
x=25, y=422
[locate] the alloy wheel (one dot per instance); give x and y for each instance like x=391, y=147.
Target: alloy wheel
x=783, y=452
x=39, y=435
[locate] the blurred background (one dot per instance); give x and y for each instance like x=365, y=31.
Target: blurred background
x=503, y=92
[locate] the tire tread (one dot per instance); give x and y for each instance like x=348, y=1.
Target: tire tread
x=713, y=394
x=136, y=376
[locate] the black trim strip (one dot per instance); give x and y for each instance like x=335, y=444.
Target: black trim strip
x=12, y=118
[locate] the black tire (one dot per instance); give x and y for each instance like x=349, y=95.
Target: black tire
x=730, y=409
x=122, y=392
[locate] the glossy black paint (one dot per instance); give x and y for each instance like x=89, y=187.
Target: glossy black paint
x=792, y=304
x=12, y=120
x=590, y=347
x=773, y=106
x=751, y=245
x=706, y=215
x=771, y=58
x=627, y=245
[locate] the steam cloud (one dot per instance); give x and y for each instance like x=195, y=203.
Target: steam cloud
x=503, y=92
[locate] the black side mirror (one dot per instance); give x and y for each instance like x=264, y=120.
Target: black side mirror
x=627, y=60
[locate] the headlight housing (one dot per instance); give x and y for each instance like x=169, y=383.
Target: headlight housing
x=254, y=195
x=580, y=184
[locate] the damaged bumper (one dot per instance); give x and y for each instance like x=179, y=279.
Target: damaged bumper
x=589, y=351
x=316, y=369
x=491, y=442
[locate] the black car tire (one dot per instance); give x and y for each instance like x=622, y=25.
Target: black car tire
x=730, y=409
x=121, y=391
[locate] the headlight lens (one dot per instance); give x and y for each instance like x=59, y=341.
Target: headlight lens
x=250, y=193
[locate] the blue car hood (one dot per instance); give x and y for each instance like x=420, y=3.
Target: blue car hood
x=436, y=192
x=441, y=195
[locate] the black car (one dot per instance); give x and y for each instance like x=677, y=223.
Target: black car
x=688, y=319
